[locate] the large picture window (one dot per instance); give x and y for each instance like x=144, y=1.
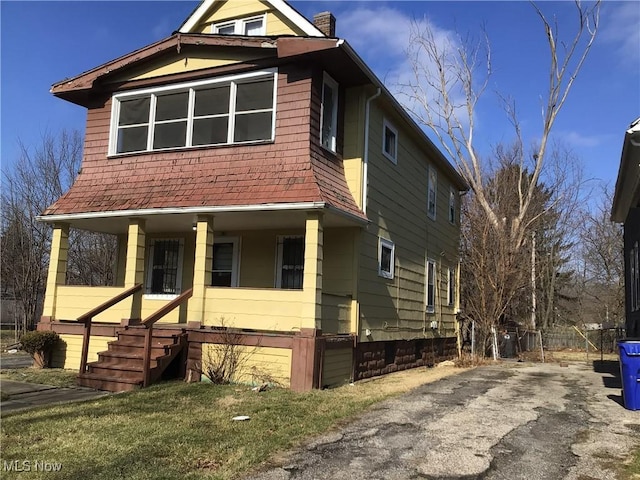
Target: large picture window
x=228, y=110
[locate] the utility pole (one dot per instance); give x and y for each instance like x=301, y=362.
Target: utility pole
x=533, y=281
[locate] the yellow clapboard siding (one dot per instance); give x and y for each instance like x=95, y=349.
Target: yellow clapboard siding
x=271, y=309
x=67, y=354
x=257, y=364
x=337, y=367
x=74, y=301
x=397, y=203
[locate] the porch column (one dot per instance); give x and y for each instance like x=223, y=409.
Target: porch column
x=202, y=266
x=312, y=280
x=57, y=268
x=134, y=269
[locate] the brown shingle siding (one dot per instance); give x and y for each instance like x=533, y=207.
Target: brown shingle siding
x=282, y=171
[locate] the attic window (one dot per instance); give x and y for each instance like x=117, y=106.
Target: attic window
x=241, y=26
x=229, y=110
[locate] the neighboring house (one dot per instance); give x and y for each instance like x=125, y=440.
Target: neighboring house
x=626, y=210
x=255, y=162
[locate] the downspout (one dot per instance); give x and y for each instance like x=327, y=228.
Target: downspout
x=365, y=167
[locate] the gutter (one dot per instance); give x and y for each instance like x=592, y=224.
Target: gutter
x=199, y=210
x=365, y=167
x=401, y=111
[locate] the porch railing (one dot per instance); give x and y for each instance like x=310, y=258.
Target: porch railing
x=148, y=334
x=88, y=317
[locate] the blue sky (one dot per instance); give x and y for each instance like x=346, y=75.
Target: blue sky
x=45, y=42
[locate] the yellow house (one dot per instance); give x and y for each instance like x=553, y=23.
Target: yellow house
x=268, y=192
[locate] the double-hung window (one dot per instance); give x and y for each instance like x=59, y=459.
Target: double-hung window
x=329, y=114
x=290, y=266
x=452, y=205
x=241, y=26
x=224, y=271
x=386, y=258
x=451, y=286
x=432, y=183
x=165, y=267
x=389, y=141
x=431, y=286
x=229, y=110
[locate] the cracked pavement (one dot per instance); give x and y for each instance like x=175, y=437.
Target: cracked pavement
x=509, y=421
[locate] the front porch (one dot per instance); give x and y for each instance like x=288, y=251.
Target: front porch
x=283, y=287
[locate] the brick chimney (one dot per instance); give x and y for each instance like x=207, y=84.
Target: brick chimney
x=326, y=23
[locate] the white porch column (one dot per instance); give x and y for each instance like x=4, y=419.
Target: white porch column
x=202, y=266
x=134, y=268
x=57, y=268
x=312, y=280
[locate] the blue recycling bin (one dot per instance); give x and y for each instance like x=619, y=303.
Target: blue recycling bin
x=630, y=372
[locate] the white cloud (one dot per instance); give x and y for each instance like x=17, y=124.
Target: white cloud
x=577, y=139
x=620, y=28
x=382, y=36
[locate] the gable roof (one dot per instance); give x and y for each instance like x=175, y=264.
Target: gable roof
x=285, y=9
x=627, y=193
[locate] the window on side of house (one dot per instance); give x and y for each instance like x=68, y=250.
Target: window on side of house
x=452, y=205
x=431, y=286
x=224, y=272
x=241, y=26
x=386, y=257
x=634, y=274
x=229, y=110
x=389, y=141
x=165, y=267
x=451, y=286
x=329, y=114
x=432, y=185
x=290, y=266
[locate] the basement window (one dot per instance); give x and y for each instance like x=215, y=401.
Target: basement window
x=231, y=110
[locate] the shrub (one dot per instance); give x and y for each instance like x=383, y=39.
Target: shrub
x=40, y=344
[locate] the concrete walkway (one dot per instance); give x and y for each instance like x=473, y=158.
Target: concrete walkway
x=24, y=396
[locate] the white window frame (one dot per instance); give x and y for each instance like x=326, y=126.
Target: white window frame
x=451, y=286
x=432, y=185
x=279, y=258
x=452, y=205
x=431, y=275
x=333, y=140
x=149, y=273
x=239, y=25
x=235, y=261
x=192, y=87
x=384, y=243
x=386, y=125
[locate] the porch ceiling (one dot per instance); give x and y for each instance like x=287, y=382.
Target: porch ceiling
x=159, y=222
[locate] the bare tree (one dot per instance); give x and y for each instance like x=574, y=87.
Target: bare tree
x=38, y=178
x=602, y=283
x=448, y=80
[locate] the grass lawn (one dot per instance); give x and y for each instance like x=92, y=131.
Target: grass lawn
x=57, y=377
x=177, y=430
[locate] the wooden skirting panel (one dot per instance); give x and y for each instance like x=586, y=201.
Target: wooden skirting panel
x=379, y=358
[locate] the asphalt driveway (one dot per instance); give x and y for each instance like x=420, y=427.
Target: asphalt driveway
x=510, y=421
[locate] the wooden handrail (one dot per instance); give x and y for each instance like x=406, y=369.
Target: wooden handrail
x=87, y=317
x=109, y=303
x=148, y=334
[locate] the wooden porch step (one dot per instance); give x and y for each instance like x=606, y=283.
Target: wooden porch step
x=110, y=384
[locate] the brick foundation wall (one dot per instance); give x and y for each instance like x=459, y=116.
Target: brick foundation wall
x=379, y=358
